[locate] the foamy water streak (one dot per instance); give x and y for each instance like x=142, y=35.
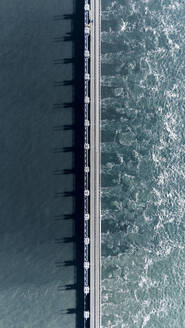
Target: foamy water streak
x=143, y=170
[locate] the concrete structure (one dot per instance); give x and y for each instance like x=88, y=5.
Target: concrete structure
x=92, y=218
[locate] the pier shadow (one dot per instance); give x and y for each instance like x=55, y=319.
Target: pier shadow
x=76, y=128
x=42, y=162
x=78, y=26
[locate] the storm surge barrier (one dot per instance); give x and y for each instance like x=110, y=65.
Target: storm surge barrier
x=92, y=155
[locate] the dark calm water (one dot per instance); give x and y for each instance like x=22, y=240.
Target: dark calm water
x=29, y=278
x=143, y=164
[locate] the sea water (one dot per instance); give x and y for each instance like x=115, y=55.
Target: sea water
x=143, y=163
x=34, y=292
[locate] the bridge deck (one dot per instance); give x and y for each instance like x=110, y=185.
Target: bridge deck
x=92, y=160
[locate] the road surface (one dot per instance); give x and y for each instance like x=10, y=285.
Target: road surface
x=95, y=165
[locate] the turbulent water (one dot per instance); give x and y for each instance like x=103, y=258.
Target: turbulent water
x=143, y=171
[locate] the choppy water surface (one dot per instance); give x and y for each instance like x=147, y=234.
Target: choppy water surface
x=143, y=170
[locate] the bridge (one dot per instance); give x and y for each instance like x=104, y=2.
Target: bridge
x=92, y=165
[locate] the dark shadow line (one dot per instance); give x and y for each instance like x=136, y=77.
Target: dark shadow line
x=70, y=82
x=69, y=16
x=69, y=60
x=61, y=217
x=69, y=171
x=68, y=311
x=60, y=264
x=68, y=149
x=69, y=216
x=65, y=240
x=69, y=105
x=65, y=194
x=63, y=83
x=69, y=127
x=67, y=287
